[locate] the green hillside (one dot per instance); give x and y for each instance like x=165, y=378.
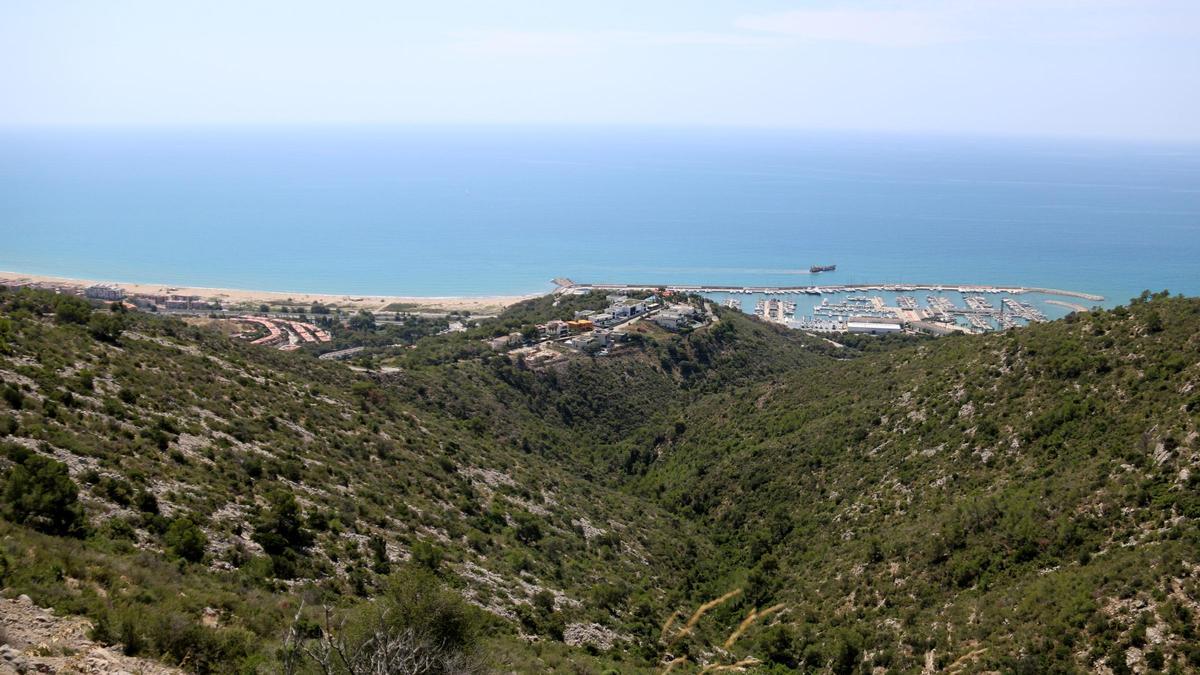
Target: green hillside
x=1019, y=502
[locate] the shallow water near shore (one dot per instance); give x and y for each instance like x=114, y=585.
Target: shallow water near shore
x=440, y=211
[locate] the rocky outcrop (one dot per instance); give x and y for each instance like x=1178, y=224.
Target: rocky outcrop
x=34, y=640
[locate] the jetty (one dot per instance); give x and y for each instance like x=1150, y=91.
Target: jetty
x=1073, y=306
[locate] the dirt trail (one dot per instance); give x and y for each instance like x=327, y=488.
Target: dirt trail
x=34, y=640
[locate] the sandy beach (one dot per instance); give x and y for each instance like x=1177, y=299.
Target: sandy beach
x=235, y=297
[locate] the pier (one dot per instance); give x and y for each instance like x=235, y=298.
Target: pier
x=774, y=309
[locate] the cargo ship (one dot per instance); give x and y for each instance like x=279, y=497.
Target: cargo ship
x=822, y=268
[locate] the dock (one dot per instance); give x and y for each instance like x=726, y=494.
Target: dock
x=775, y=309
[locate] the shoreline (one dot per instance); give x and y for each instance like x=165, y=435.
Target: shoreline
x=236, y=296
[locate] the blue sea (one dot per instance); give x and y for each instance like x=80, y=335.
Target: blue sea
x=479, y=211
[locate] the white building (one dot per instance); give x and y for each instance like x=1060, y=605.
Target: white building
x=554, y=328
x=504, y=342
x=670, y=320
x=592, y=341
x=676, y=317
x=621, y=311
x=631, y=307
x=104, y=292
x=873, y=327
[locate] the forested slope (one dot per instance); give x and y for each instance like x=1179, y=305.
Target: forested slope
x=1026, y=501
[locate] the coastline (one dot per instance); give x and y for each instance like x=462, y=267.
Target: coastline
x=237, y=296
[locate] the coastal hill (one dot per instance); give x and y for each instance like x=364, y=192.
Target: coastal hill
x=1024, y=501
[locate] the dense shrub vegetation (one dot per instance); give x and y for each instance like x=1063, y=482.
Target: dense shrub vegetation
x=39, y=492
x=1018, y=502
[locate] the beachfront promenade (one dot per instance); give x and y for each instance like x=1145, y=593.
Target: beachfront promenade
x=567, y=284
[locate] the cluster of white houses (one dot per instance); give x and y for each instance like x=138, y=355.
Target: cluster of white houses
x=175, y=301
x=620, y=308
x=675, y=316
x=591, y=330
x=114, y=293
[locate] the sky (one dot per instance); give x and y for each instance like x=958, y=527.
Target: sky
x=1127, y=69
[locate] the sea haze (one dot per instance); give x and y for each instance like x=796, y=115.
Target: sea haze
x=475, y=211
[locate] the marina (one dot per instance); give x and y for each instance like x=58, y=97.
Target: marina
x=833, y=289
x=975, y=314
x=877, y=308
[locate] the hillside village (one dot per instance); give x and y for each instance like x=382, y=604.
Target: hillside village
x=598, y=332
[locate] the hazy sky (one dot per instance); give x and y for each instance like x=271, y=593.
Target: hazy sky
x=1114, y=68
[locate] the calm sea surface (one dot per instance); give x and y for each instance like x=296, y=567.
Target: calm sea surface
x=435, y=211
